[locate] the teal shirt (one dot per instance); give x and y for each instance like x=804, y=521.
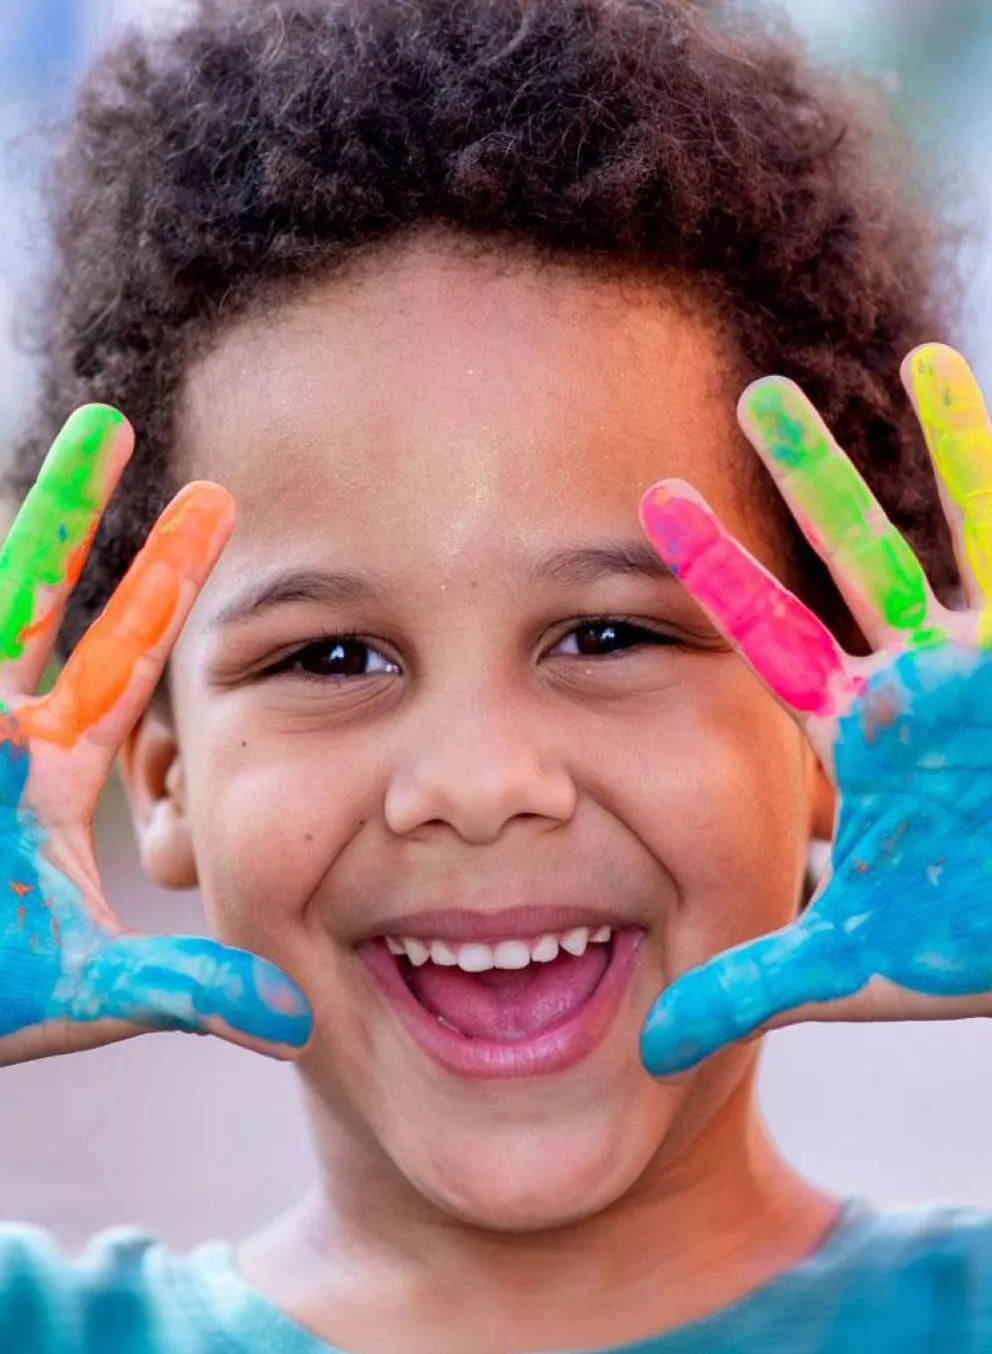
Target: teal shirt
x=916, y=1282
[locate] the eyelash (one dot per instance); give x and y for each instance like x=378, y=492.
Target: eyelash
x=645, y=637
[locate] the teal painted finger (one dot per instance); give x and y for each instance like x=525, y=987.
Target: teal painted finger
x=47, y=543
x=187, y=982
x=737, y=992
x=833, y=505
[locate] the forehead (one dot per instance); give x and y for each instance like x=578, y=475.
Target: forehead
x=477, y=404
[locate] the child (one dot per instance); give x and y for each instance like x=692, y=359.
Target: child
x=434, y=293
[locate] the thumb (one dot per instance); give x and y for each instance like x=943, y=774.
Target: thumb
x=196, y=984
x=737, y=992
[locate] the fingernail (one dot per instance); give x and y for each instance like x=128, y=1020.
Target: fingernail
x=681, y=529
x=185, y=533
x=81, y=453
x=947, y=394
x=255, y=997
x=784, y=421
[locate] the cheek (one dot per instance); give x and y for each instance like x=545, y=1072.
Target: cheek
x=723, y=791
x=270, y=817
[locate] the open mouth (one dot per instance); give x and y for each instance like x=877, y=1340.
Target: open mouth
x=514, y=1007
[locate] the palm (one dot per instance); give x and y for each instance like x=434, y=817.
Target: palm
x=907, y=733
x=69, y=975
x=912, y=860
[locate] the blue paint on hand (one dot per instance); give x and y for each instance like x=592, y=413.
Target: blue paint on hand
x=57, y=963
x=910, y=893
x=182, y=982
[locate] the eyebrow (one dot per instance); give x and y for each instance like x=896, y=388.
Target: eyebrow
x=577, y=566
x=589, y=564
x=298, y=585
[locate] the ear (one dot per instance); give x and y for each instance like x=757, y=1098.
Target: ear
x=151, y=769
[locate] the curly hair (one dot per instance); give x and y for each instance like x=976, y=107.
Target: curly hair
x=212, y=168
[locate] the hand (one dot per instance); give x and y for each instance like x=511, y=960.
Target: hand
x=70, y=977
x=901, y=926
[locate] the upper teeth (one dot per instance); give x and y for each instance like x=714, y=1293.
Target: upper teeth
x=475, y=957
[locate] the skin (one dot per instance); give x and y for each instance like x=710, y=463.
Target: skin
x=439, y=423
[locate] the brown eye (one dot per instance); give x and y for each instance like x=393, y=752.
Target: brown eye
x=338, y=657
x=602, y=639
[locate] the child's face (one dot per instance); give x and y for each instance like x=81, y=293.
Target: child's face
x=411, y=451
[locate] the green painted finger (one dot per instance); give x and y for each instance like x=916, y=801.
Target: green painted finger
x=47, y=543
x=870, y=560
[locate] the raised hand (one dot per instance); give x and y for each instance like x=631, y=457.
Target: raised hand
x=901, y=926
x=70, y=977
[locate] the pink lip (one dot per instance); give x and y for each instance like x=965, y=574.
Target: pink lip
x=514, y=923
x=554, y=1050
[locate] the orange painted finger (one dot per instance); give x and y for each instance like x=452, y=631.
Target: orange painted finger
x=112, y=673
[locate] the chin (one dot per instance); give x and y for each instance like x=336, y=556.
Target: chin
x=534, y=1176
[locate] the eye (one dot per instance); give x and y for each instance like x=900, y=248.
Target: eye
x=336, y=657
x=607, y=637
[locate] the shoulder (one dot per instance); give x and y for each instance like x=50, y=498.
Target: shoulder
x=921, y=1277
x=124, y=1291
x=914, y=1280
x=931, y=1238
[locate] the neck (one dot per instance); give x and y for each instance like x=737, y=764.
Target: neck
x=364, y=1263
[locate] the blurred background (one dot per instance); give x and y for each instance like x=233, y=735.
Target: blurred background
x=192, y=1138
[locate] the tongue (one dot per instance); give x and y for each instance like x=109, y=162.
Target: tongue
x=510, y=1004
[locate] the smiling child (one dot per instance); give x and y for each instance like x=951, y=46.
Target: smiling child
x=462, y=679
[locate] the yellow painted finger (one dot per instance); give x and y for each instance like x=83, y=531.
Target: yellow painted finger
x=956, y=426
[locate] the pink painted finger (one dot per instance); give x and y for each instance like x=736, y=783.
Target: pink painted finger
x=793, y=653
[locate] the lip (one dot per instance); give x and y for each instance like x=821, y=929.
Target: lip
x=460, y=925
x=554, y=1050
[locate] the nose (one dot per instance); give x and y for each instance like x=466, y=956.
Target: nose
x=474, y=768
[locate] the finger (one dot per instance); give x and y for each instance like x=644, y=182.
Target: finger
x=47, y=545
x=112, y=673
x=875, y=570
x=955, y=424
x=793, y=653
x=195, y=984
x=736, y=993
